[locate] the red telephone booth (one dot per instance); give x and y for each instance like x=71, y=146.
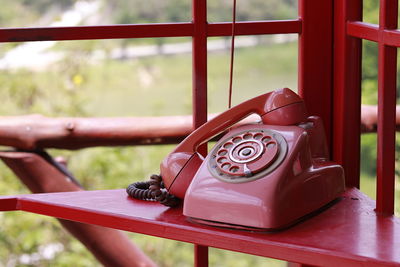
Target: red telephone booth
x=357, y=230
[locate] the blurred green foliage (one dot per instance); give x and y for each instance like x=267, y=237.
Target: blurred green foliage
x=18, y=13
x=155, y=11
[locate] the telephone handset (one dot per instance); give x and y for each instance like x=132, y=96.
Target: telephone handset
x=280, y=107
x=258, y=176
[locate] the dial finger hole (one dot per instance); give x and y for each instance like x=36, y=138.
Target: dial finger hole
x=247, y=136
x=228, y=145
x=237, y=139
x=234, y=169
x=258, y=136
x=270, y=145
x=222, y=160
x=222, y=152
x=266, y=139
x=226, y=166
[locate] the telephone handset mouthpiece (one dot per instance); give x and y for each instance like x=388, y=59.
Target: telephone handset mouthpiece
x=280, y=107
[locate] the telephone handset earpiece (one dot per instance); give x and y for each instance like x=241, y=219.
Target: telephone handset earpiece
x=280, y=107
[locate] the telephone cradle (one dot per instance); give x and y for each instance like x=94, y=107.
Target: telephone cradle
x=259, y=176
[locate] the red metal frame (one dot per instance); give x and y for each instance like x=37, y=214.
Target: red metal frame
x=349, y=31
x=347, y=91
x=387, y=83
x=315, y=59
x=330, y=83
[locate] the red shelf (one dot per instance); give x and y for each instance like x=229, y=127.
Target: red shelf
x=347, y=233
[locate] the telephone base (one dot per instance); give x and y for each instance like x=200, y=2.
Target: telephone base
x=273, y=198
x=265, y=230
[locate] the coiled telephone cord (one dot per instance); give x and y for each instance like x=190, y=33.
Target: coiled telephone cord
x=152, y=190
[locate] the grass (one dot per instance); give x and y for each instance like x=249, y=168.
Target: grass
x=161, y=85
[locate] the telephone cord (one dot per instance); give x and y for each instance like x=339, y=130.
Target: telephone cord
x=152, y=190
x=232, y=53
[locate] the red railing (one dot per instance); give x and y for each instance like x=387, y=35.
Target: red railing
x=349, y=31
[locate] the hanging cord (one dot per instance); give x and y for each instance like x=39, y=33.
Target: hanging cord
x=232, y=52
x=152, y=190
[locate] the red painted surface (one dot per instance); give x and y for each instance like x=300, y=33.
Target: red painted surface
x=147, y=30
x=387, y=81
x=363, y=30
x=96, y=32
x=199, y=73
x=391, y=37
x=347, y=233
x=199, y=68
x=200, y=256
x=254, y=27
x=373, y=33
x=347, y=95
x=8, y=203
x=315, y=59
x=292, y=264
x=347, y=91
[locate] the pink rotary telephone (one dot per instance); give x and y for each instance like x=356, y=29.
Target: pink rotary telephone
x=258, y=176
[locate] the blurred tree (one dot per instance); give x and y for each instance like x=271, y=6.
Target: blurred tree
x=41, y=6
x=19, y=13
x=150, y=11
x=221, y=10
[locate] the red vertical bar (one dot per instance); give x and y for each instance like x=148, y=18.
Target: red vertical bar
x=315, y=58
x=200, y=256
x=347, y=91
x=199, y=74
x=199, y=68
x=387, y=72
x=199, y=62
